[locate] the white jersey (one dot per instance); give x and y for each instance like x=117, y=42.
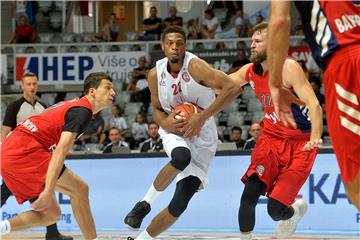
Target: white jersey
x=175, y=91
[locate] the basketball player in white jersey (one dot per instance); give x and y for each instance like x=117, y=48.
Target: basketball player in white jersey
x=190, y=143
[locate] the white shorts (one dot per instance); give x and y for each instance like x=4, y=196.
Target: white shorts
x=202, y=148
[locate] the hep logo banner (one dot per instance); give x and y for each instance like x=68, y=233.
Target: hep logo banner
x=54, y=68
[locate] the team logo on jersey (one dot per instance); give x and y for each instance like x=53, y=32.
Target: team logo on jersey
x=185, y=76
x=162, y=83
x=252, y=84
x=162, y=76
x=260, y=169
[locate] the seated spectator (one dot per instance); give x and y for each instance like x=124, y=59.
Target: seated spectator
x=238, y=63
x=194, y=31
x=111, y=29
x=255, y=132
x=94, y=130
x=173, y=19
x=139, y=131
x=24, y=33
x=154, y=143
x=117, y=120
x=259, y=19
x=211, y=25
x=236, y=30
x=152, y=26
x=236, y=137
x=116, y=141
x=109, y=33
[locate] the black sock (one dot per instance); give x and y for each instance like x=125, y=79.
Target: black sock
x=52, y=230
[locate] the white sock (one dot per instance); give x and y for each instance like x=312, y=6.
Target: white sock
x=151, y=195
x=5, y=227
x=144, y=236
x=247, y=236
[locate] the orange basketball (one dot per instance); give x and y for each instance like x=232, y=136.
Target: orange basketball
x=186, y=109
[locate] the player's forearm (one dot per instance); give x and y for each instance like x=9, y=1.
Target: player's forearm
x=278, y=41
x=316, y=118
x=54, y=168
x=4, y=132
x=226, y=96
x=159, y=116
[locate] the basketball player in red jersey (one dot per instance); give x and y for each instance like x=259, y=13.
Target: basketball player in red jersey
x=282, y=158
x=332, y=29
x=32, y=159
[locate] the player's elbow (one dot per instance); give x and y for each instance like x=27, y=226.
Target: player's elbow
x=279, y=22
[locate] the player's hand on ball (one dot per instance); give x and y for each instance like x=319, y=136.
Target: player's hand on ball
x=313, y=143
x=194, y=125
x=171, y=124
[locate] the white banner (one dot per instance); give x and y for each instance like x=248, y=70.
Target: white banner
x=72, y=68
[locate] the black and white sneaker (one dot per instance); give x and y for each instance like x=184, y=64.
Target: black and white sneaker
x=135, y=217
x=130, y=238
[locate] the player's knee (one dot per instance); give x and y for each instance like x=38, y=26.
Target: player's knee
x=180, y=158
x=277, y=211
x=52, y=215
x=177, y=207
x=81, y=189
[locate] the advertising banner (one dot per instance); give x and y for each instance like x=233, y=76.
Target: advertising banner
x=72, y=68
x=117, y=184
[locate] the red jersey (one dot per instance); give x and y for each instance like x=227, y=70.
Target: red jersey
x=46, y=128
x=271, y=123
x=329, y=25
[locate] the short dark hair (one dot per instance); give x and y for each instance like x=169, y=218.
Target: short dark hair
x=174, y=29
x=210, y=12
x=115, y=128
x=153, y=123
x=93, y=80
x=236, y=128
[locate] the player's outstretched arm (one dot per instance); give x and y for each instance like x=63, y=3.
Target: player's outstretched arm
x=64, y=145
x=295, y=77
x=215, y=79
x=167, y=122
x=277, y=48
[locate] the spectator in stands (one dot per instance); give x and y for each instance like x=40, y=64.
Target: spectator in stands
x=255, y=132
x=152, y=26
x=238, y=63
x=116, y=141
x=236, y=137
x=17, y=112
x=24, y=33
x=111, y=29
x=211, y=25
x=19, y=9
x=117, y=120
x=173, y=19
x=236, y=30
x=194, y=31
x=316, y=85
x=139, y=131
x=94, y=130
x=154, y=143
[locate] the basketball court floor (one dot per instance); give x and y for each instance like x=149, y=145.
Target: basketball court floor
x=182, y=236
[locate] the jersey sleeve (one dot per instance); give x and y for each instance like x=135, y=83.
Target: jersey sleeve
x=77, y=119
x=11, y=113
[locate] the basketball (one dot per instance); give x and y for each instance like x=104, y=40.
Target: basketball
x=186, y=109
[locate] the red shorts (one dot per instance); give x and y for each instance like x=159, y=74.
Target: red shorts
x=281, y=165
x=342, y=89
x=24, y=164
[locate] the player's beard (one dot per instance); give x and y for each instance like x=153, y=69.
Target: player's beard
x=258, y=58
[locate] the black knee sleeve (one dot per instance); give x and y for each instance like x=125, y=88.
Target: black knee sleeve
x=180, y=158
x=279, y=211
x=185, y=190
x=254, y=187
